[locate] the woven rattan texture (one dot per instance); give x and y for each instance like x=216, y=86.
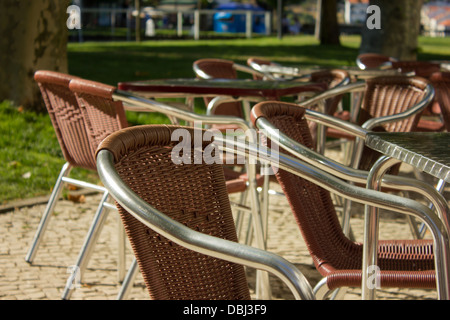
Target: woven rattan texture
x=102, y=115
x=192, y=194
x=259, y=62
x=404, y=263
x=67, y=118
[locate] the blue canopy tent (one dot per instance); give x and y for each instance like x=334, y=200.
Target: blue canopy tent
x=235, y=22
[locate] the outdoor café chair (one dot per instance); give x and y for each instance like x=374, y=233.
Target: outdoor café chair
x=389, y=103
x=78, y=149
x=422, y=69
x=98, y=100
x=332, y=77
x=402, y=263
x=223, y=69
x=411, y=67
x=367, y=61
x=441, y=83
x=179, y=221
x=267, y=69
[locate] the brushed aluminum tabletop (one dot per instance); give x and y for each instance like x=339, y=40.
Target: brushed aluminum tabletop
x=427, y=151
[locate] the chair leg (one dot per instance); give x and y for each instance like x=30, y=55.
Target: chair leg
x=128, y=281
x=65, y=170
x=239, y=214
x=265, y=201
x=88, y=246
x=122, y=250
x=417, y=230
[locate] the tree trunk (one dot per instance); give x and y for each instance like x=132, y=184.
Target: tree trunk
x=327, y=27
x=34, y=37
x=137, y=5
x=400, y=29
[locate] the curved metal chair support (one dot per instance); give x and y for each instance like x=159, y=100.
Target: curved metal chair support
x=438, y=227
x=201, y=73
x=287, y=116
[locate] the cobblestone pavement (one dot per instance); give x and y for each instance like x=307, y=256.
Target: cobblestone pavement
x=46, y=277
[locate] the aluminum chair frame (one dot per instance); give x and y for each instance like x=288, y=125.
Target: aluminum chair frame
x=73, y=159
x=273, y=70
x=196, y=241
x=329, y=174
x=359, y=87
x=236, y=66
x=383, y=61
x=102, y=94
x=212, y=104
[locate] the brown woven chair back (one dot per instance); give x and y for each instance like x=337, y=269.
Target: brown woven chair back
x=373, y=60
x=102, y=114
x=67, y=118
x=441, y=83
x=311, y=205
x=421, y=68
x=332, y=78
x=192, y=194
x=221, y=69
x=386, y=96
x=334, y=255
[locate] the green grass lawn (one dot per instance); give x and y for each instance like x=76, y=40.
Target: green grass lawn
x=31, y=158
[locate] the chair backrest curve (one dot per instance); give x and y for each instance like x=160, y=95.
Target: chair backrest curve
x=67, y=118
x=192, y=194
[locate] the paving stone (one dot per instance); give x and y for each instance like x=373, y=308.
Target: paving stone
x=46, y=277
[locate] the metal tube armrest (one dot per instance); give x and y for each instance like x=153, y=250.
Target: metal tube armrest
x=147, y=104
x=439, y=228
x=338, y=90
x=242, y=68
x=335, y=123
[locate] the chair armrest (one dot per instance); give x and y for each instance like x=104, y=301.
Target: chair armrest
x=194, y=240
x=348, y=173
x=280, y=70
x=330, y=93
x=142, y=104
